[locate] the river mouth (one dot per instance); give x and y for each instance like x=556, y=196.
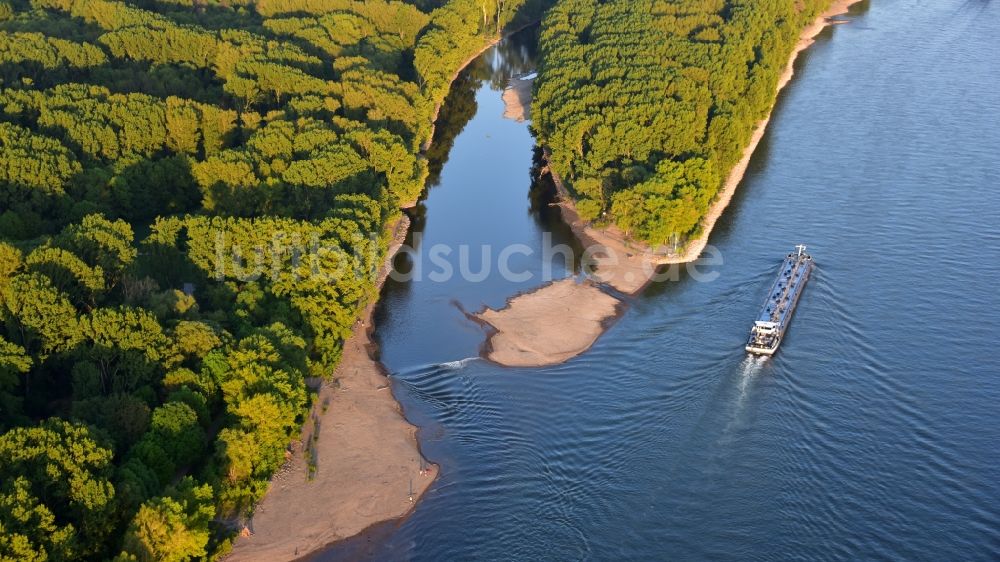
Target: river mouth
x=484, y=231
x=857, y=440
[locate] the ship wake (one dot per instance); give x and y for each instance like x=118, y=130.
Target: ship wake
x=751, y=365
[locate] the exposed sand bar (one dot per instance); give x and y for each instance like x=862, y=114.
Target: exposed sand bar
x=517, y=99
x=548, y=326
x=616, y=260
x=368, y=464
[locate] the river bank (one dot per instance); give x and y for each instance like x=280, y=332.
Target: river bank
x=637, y=260
x=695, y=247
x=662, y=441
x=366, y=464
x=358, y=462
x=523, y=334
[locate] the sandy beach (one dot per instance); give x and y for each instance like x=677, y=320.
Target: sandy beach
x=368, y=466
x=625, y=264
x=561, y=320
x=548, y=326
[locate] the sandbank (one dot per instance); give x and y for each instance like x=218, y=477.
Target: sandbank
x=517, y=99
x=550, y=325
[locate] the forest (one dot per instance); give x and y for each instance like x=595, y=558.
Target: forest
x=646, y=105
x=195, y=197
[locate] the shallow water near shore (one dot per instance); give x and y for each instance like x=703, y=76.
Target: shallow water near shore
x=872, y=434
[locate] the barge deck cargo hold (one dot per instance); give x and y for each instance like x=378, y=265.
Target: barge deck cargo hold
x=772, y=323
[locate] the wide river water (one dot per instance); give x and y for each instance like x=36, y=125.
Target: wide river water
x=873, y=434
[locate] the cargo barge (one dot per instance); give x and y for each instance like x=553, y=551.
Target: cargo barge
x=772, y=323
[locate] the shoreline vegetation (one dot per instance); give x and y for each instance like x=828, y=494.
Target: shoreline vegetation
x=627, y=265
x=651, y=148
x=358, y=462
x=378, y=472
x=183, y=188
x=695, y=247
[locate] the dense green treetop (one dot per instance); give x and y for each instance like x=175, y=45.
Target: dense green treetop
x=647, y=104
x=194, y=200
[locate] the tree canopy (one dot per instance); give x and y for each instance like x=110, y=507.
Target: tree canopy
x=194, y=198
x=647, y=104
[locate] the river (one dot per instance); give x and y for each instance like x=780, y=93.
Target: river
x=873, y=433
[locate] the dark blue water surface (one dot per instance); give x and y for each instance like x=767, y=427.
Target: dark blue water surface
x=873, y=434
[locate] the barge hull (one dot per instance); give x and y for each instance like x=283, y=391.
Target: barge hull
x=776, y=314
